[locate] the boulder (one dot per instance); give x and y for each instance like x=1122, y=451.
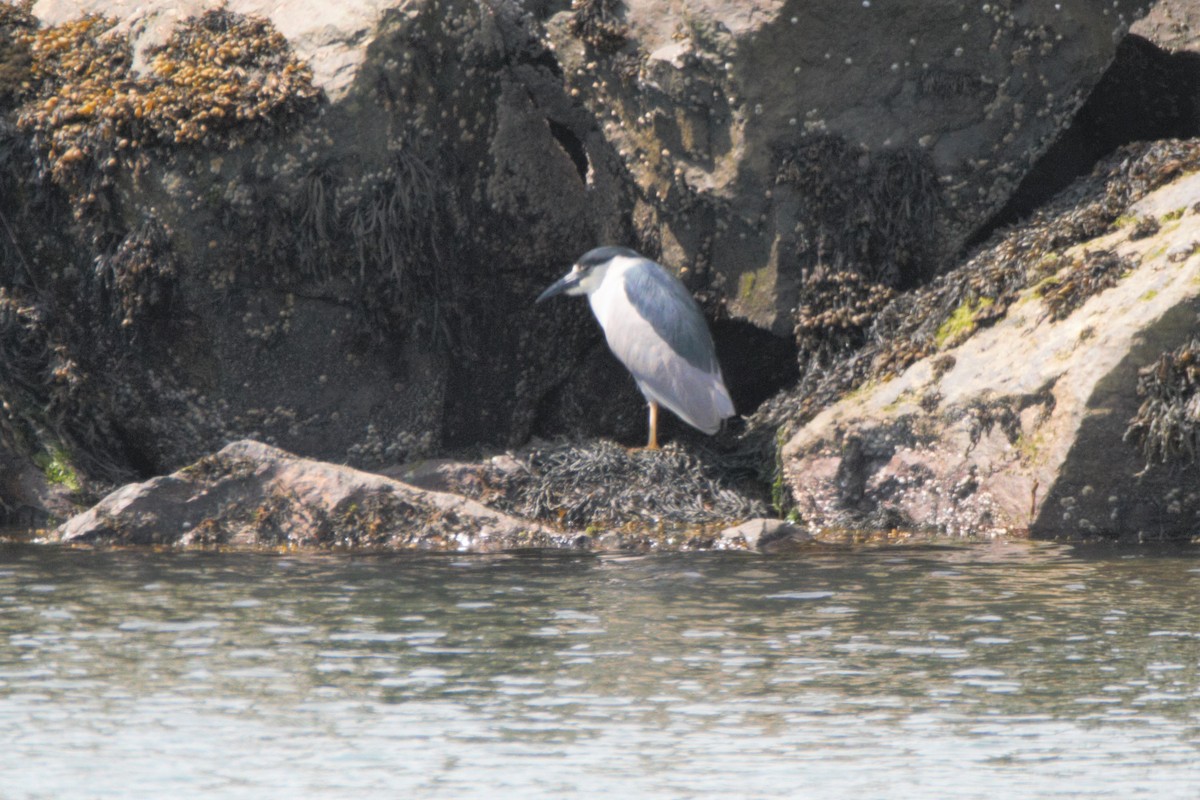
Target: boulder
x=317, y=225
x=321, y=225
x=766, y=534
x=766, y=138
x=254, y=495
x=35, y=491
x=1173, y=25
x=1068, y=409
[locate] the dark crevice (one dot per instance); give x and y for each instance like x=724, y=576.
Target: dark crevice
x=547, y=60
x=571, y=145
x=756, y=363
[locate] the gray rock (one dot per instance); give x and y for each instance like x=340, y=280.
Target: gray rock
x=251, y=494
x=1172, y=25
x=31, y=496
x=767, y=137
x=1023, y=426
x=352, y=280
x=766, y=534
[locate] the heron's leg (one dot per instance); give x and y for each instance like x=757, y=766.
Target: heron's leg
x=653, y=443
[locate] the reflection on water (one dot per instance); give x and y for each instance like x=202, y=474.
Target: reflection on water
x=1042, y=670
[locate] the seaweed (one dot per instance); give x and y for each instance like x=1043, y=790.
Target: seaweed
x=1166, y=427
x=602, y=484
x=914, y=324
x=1092, y=273
x=873, y=213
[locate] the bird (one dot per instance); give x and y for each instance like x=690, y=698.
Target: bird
x=654, y=327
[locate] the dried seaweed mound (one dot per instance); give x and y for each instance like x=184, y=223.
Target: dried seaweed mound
x=603, y=484
x=1166, y=427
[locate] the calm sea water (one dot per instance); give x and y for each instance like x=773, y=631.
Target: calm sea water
x=1014, y=670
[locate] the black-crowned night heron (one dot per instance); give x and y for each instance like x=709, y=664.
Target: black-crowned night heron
x=656, y=330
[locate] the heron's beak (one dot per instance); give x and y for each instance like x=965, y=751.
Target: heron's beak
x=568, y=281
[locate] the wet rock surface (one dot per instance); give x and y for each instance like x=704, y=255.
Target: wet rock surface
x=1039, y=413
x=253, y=495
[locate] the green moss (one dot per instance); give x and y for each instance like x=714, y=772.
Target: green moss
x=1149, y=295
x=961, y=322
x=1154, y=254
x=781, y=499
x=55, y=464
x=746, y=285
x=1030, y=446
x=1171, y=216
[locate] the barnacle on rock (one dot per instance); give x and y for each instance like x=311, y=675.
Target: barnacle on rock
x=1166, y=427
x=598, y=23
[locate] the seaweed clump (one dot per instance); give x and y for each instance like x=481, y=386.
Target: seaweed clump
x=1166, y=427
x=835, y=314
x=220, y=78
x=598, y=23
x=139, y=274
x=1091, y=274
x=605, y=485
x=874, y=214
x=16, y=61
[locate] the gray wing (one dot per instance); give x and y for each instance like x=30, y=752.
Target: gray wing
x=669, y=350
x=664, y=302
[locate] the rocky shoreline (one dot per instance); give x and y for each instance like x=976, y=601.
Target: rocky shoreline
x=250, y=264
x=250, y=495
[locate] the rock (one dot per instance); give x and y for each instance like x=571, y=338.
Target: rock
x=31, y=496
x=1028, y=423
x=321, y=225
x=769, y=535
x=766, y=138
x=1172, y=25
x=342, y=261
x=251, y=494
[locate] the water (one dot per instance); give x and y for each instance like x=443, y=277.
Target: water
x=1013, y=670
